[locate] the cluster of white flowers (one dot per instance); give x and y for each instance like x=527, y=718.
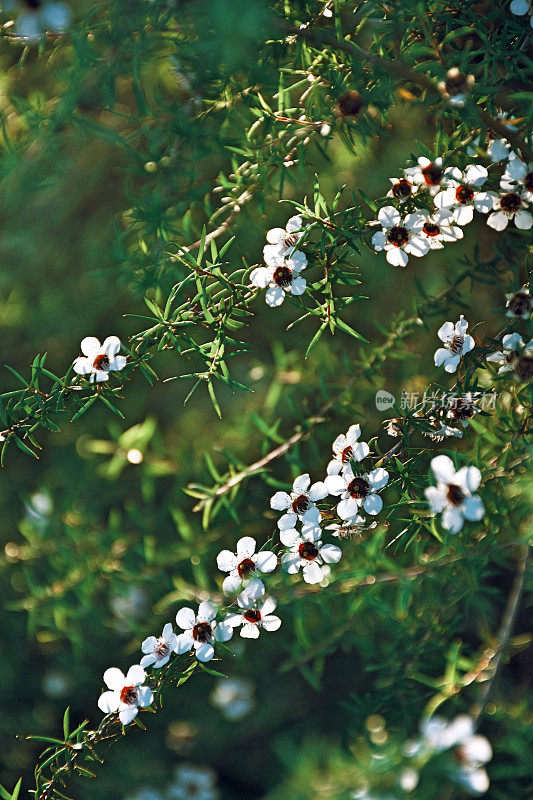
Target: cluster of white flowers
x=283, y=263
x=454, y=195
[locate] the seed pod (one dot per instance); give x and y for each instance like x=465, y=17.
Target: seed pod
x=349, y=104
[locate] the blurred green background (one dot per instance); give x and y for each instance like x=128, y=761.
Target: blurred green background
x=98, y=552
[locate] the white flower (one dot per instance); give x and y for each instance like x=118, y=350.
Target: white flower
x=453, y=494
x=301, y=502
x=352, y=529
x=522, y=7
x=428, y=174
x=456, y=87
x=200, y=631
x=255, y=614
x=519, y=303
x=126, y=695
x=470, y=751
x=99, y=359
x=401, y=189
x=358, y=491
x=399, y=238
x=462, y=194
x=244, y=563
x=280, y=278
x=36, y=18
x=234, y=697
x=510, y=206
x=158, y=651
x=439, y=228
x=515, y=355
x=193, y=783
x=457, y=342
x=346, y=448
x=307, y=552
x=282, y=243
x=518, y=177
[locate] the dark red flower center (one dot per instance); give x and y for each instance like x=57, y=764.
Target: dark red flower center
x=398, y=236
x=101, y=362
x=524, y=368
x=301, y=504
x=128, y=695
x=455, y=345
x=520, y=303
x=202, y=632
x=282, y=276
x=464, y=194
x=432, y=174
x=347, y=454
x=308, y=551
x=455, y=494
x=463, y=409
x=162, y=649
x=358, y=488
x=528, y=181
x=456, y=83
x=402, y=188
x=252, y=615
x=245, y=567
x=510, y=203
x=431, y=229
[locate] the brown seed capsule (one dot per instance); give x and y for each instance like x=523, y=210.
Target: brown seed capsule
x=349, y=104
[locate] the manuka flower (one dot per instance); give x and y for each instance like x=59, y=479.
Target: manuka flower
x=456, y=87
x=439, y=228
x=282, y=242
x=427, y=174
x=510, y=206
x=158, y=651
x=346, y=448
x=254, y=615
x=280, y=278
x=36, y=17
x=300, y=503
x=515, y=356
x=244, y=564
x=457, y=342
x=470, y=750
x=126, y=693
x=201, y=631
x=193, y=782
x=462, y=193
x=358, y=491
x=401, y=189
x=519, y=303
x=98, y=360
x=399, y=237
x=453, y=494
x=308, y=553
x=518, y=177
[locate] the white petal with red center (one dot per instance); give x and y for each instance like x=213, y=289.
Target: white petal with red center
x=271, y=622
x=136, y=675
x=266, y=561
x=335, y=484
x=298, y=286
x=223, y=631
x=128, y=714
x=318, y=491
x=250, y=631
x=186, y=618
x=330, y=553
x=397, y=257
x=417, y=246
x=226, y=561
x=149, y=645
x=287, y=521
x=473, y=508
x=117, y=363
x=274, y=296
x=445, y=199
x=276, y=236
x=204, y=651
x=436, y=498
x=114, y=678
x=443, y=469
x=389, y=216
x=476, y=175
x=452, y=519
x=414, y=221
x=373, y=504
x=291, y=562
x=446, y=331
x=246, y=547
x=379, y=240
x=82, y=365
x=207, y=611
x=463, y=215
x=100, y=376
x=184, y=643
x=90, y=346
x=111, y=346
x=312, y=572
x=297, y=261
x=289, y=537
x=468, y=344
x=347, y=508
x=301, y=483
x=452, y=363
x=267, y=606
x=144, y=696
x=280, y=501
x=378, y=478
x=231, y=584
x=261, y=277
x=469, y=478
x=523, y=220
x=108, y=702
